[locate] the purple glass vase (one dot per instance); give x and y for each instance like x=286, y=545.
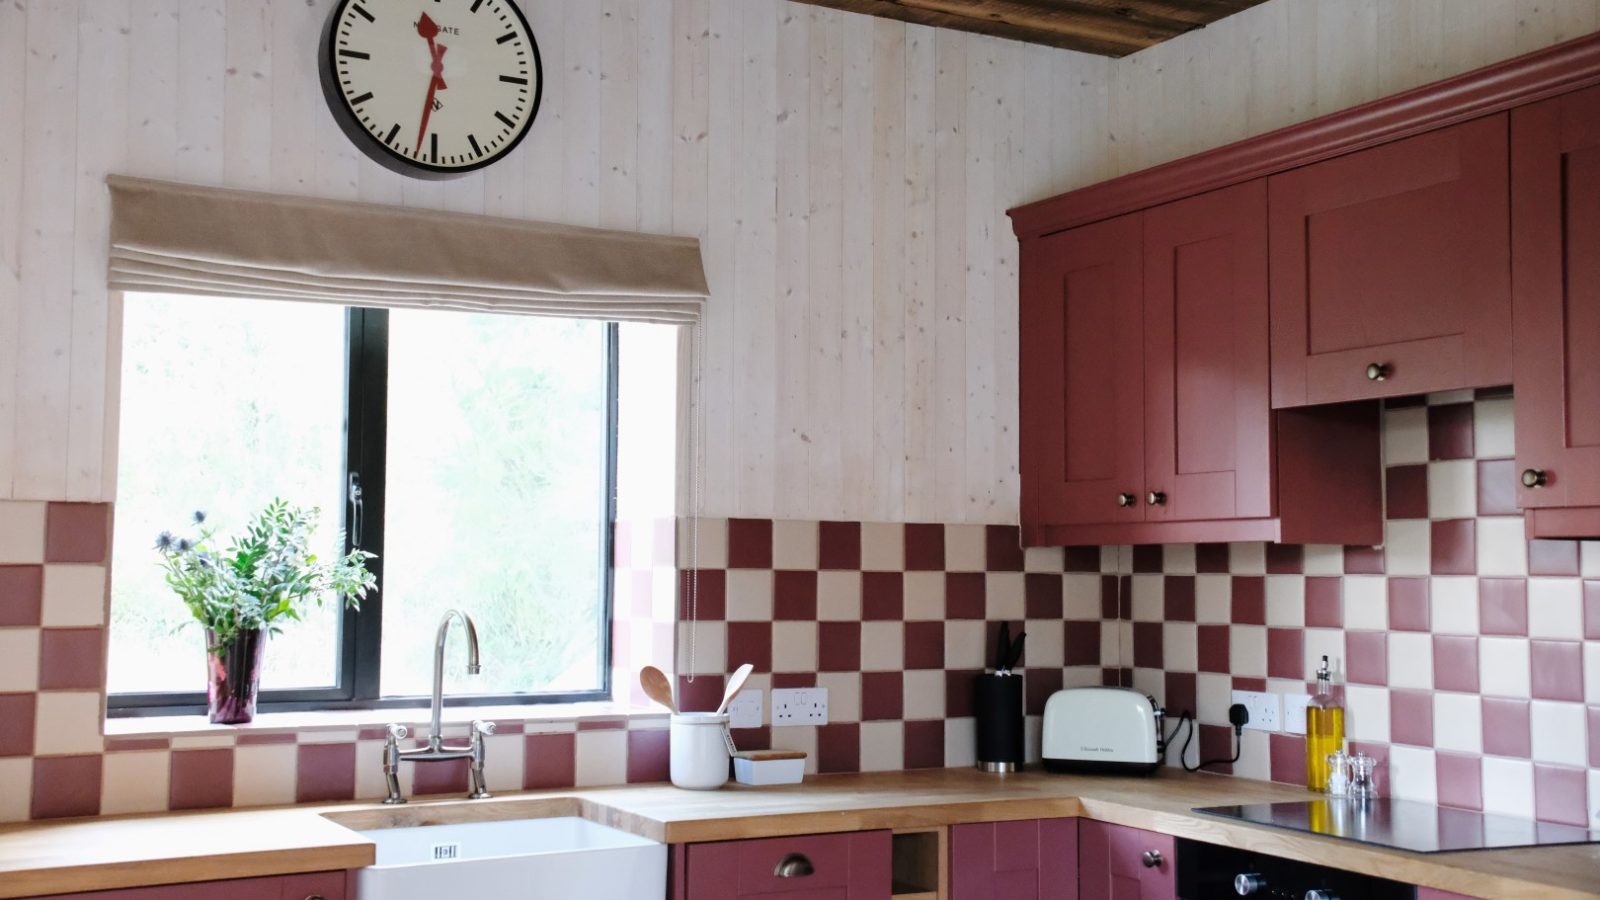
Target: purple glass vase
x=234, y=677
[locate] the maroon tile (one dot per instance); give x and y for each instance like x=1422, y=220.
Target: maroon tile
x=794, y=679
x=1497, y=487
x=753, y=738
x=324, y=772
x=1147, y=645
x=1380, y=768
x=1454, y=547
x=440, y=778
x=201, y=779
x=1214, y=649
x=958, y=688
x=1117, y=677
x=1082, y=559
x=1179, y=598
x=66, y=786
x=1216, y=742
x=1211, y=559
x=550, y=761
x=1591, y=610
x=1594, y=736
x=882, y=596
x=964, y=595
x=21, y=594
x=1502, y=606
x=1111, y=598
x=839, y=646
x=750, y=642
x=1560, y=794
x=1460, y=780
x=712, y=602
x=882, y=696
x=924, y=547
x=1553, y=558
x=1288, y=763
x=1407, y=490
x=924, y=744
x=1557, y=670
x=839, y=747
x=1363, y=560
x=1408, y=604
x=794, y=595
x=1286, y=648
x=839, y=546
x=648, y=756
x=16, y=724
x=1241, y=683
x=1455, y=663
x=77, y=532
x=749, y=543
x=1450, y=431
x=1410, y=402
x=1043, y=595
x=1249, y=600
x=1002, y=549
x=703, y=694
x=1367, y=657
x=1506, y=729
x=1285, y=559
x=71, y=658
x=1082, y=643
x=1324, y=602
x=924, y=645
x=1147, y=558
x=1181, y=694
x=1411, y=717
x=1037, y=687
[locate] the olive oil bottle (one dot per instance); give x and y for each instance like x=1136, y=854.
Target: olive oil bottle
x=1324, y=729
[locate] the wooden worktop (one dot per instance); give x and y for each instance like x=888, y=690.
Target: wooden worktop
x=37, y=859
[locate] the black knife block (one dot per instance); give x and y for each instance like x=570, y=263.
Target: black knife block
x=997, y=703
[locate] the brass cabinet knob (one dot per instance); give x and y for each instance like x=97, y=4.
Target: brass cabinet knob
x=1126, y=499
x=795, y=865
x=1534, y=478
x=1156, y=498
x=1151, y=858
x=1377, y=371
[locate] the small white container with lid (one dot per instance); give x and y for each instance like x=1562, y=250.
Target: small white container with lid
x=699, y=750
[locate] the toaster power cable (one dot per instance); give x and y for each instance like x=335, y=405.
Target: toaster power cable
x=1237, y=714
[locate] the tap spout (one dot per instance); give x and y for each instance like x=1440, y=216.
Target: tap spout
x=436, y=736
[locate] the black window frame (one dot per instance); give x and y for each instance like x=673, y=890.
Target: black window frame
x=366, y=391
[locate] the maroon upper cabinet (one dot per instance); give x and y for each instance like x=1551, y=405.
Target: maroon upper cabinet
x=1391, y=269
x=1208, y=429
x=850, y=866
x=1081, y=392
x=1555, y=214
x=1116, y=862
x=1032, y=859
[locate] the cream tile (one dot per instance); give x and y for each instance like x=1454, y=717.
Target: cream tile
x=1111, y=645
x=1004, y=596
x=965, y=548
x=1508, y=786
x=1454, y=604
x=1458, y=722
x=924, y=595
x=663, y=595
x=74, y=595
x=1044, y=559
x=1213, y=694
x=966, y=643
x=1178, y=559
x=712, y=542
x=1591, y=675
x=1411, y=660
x=1151, y=682
x=17, y=775
x=1405, y=436
x=1453, y=489
x=1046, y=645
x=1213, y=599
x=19, y=660
x=844, y=696
x=1032, y=732
x=1124, y=643
x=924, y=694
x=882, y=746
x=1081, y=676
x=264, y=774
x=135, y=782
x=1116, y=559
x=1589, y=554
x=1406, y=545
x=839, y=596
x=1555, y=608
x=1286, y=601
x=960, y=742
x=1504, y=667
x=1494, y=430
x=883, y=646
x=1559, y=733
x=1445, y=398
x=1366, y=713
x=1366, y=602
x=1413, y=774
x=1180, y=647
x=1320, y=642
x=749, y=595
x=1324, y=559
x=802, y=738
x=794, y=544
x=1502, y=546
x=502, y=769
x=1255, y=755
x=68, y=722
x=1149, y=598
x=1247, y=651
x=209, y=741
x=1594, y=799
x=1248, y=559
x=21, y=531
x=702, y=648
x=1081, y=596
x=883, y=546
x=602, y=758
x=794, y=646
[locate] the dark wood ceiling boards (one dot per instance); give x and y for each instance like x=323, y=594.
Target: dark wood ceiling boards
x=1104, y=27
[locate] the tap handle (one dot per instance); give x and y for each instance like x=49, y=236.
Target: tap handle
x=479, y=726
x=396, y=732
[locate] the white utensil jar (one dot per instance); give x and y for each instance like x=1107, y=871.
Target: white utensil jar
x=699, y=748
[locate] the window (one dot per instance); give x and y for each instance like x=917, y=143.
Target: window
x=483, y=447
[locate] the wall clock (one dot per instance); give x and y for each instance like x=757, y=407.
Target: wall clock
x=431, y=88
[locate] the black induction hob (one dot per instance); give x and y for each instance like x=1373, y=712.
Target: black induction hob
x=1405, y=824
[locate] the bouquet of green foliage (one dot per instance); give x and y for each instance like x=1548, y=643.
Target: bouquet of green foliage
x=263, y=578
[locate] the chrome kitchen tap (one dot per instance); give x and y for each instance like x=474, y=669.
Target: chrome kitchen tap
x=437, y=751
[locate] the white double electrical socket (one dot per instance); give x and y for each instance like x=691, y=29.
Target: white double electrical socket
x=1294, y=712
x=745, y=710
x=1266, y=710
x=799, y=706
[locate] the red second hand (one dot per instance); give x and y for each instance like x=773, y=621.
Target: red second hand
x=428, y=31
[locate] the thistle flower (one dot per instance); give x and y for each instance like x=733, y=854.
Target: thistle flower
x=164, y=541
x=184, y=545
x=199, y=517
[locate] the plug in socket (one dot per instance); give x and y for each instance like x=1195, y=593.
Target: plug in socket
x=1266, y=710
x=799, y=706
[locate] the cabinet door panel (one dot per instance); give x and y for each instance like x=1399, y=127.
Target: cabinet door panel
x=1111, y=863
x=1555, y=158
x=1208, y=434
x=1400, y=256
x=845, y=867
x=315, y=886
x=1082, y=429
x=1023, y=860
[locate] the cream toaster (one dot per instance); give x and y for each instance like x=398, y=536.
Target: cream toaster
x=1102, y=729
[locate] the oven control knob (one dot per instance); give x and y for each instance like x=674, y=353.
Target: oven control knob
x=1318, y=894
x=1247, y=883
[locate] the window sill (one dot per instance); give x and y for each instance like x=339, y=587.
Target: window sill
x=349, y=725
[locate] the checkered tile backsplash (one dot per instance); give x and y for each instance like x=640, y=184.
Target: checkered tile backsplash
x=1470, y=655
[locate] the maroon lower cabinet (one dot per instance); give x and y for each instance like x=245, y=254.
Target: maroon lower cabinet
x=1116, y=862
x=1555, y=215
x=309, y=886
x=1033, y=859
x=853, y=866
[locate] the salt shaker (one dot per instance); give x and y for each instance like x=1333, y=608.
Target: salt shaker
x=1338, y=774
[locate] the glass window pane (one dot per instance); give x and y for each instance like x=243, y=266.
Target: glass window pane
x=226, y=403
x=495, y=473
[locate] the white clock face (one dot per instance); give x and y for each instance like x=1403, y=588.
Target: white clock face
x=431, y=87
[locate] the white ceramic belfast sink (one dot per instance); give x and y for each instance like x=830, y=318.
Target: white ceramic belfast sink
x=552, y=858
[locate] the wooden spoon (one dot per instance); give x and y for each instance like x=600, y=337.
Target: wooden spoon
x=657, y=687
x=735, y=685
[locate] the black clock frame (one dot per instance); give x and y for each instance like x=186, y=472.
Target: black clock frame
x=379, y=152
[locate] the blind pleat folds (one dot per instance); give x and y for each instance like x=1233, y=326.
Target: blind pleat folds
x=185, y=239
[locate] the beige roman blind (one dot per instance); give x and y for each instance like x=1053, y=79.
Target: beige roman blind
x=180, y=238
